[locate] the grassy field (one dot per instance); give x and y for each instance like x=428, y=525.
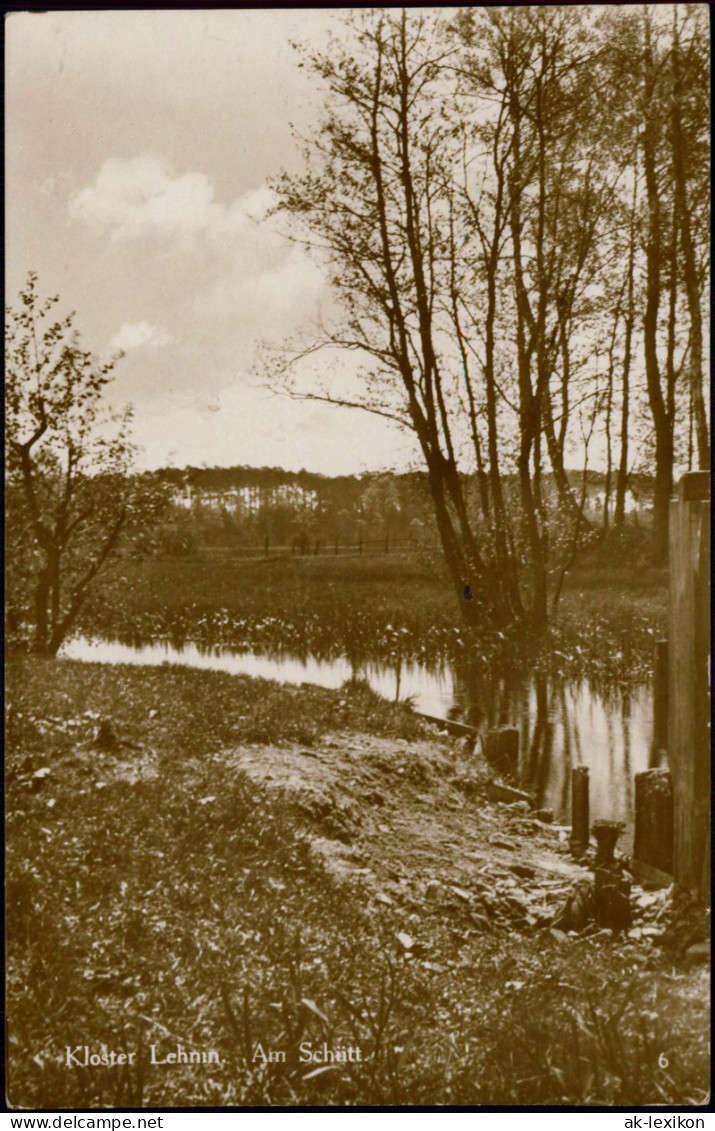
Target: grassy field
x=156, y=895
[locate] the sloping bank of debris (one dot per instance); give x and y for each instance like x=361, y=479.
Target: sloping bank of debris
x=222, y=862
x=419, y=825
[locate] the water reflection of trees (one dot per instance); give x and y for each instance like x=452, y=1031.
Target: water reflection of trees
x=562, y=722
x=555, y=717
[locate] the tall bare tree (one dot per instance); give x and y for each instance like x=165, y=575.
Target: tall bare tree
x=379, y=203
x=659, y=67
x=491, y=238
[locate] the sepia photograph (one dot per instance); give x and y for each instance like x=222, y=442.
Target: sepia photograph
x=357, y=558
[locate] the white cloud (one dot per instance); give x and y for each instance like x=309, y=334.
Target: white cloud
x=131, y=198
x=135, y=334
x=135, y=197
x=224, y=272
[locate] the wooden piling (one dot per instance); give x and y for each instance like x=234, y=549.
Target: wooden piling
x=689, y=682
x=653, y=834
x=580, y=821
x=502, y=748
x=607, y=834
x=611, y=898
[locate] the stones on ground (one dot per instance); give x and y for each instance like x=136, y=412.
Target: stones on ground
x=383, y=897
x=106, y=737
x=497, y=791
x=524, y=870
x=468, y=786
x=481, y=922
x=516, y=904
x=644, y=933
x=461, y=893
x=435, y=890
x=393, y=874
x=577, y=911
x=406, y=941
x=648, y=900
x=698, y=952
x=545, y=815
x=519, y=806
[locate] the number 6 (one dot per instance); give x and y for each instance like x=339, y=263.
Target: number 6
x=663, y=1061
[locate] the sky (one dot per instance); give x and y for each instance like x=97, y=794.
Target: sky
x=139, y=150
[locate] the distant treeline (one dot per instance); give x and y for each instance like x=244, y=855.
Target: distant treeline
x=210, y=479
x=244, y=507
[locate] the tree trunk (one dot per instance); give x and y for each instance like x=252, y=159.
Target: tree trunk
x=690, y=272
x=659, y=412
x=40, y=642
x=622, y=477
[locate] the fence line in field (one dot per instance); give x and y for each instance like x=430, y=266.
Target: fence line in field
x=324, y=547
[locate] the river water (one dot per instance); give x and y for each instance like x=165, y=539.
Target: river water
x=562, y=723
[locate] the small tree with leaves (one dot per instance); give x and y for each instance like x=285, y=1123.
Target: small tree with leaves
x=69, y=495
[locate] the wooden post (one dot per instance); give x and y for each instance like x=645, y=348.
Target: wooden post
x=502, y=748
x=611, y=897
x=660, y=698
x=653, y=833
x=580, y=823
x=689, y=682
x=606, y=834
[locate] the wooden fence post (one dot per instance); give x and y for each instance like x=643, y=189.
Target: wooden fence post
x=502, y=748
x=580, y=818
x=689, y=682
x=653, y=834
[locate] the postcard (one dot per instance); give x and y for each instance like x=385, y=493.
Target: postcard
x=357, y=559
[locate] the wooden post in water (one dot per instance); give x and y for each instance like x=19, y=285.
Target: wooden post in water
x=689, y=682
x=653, y=833
x=580, y=818
x=660, y=700
x=502, y=748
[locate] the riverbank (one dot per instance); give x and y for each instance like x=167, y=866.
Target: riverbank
x=385, y=608
x=232, y=866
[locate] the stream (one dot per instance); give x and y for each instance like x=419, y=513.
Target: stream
x=562, y=723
